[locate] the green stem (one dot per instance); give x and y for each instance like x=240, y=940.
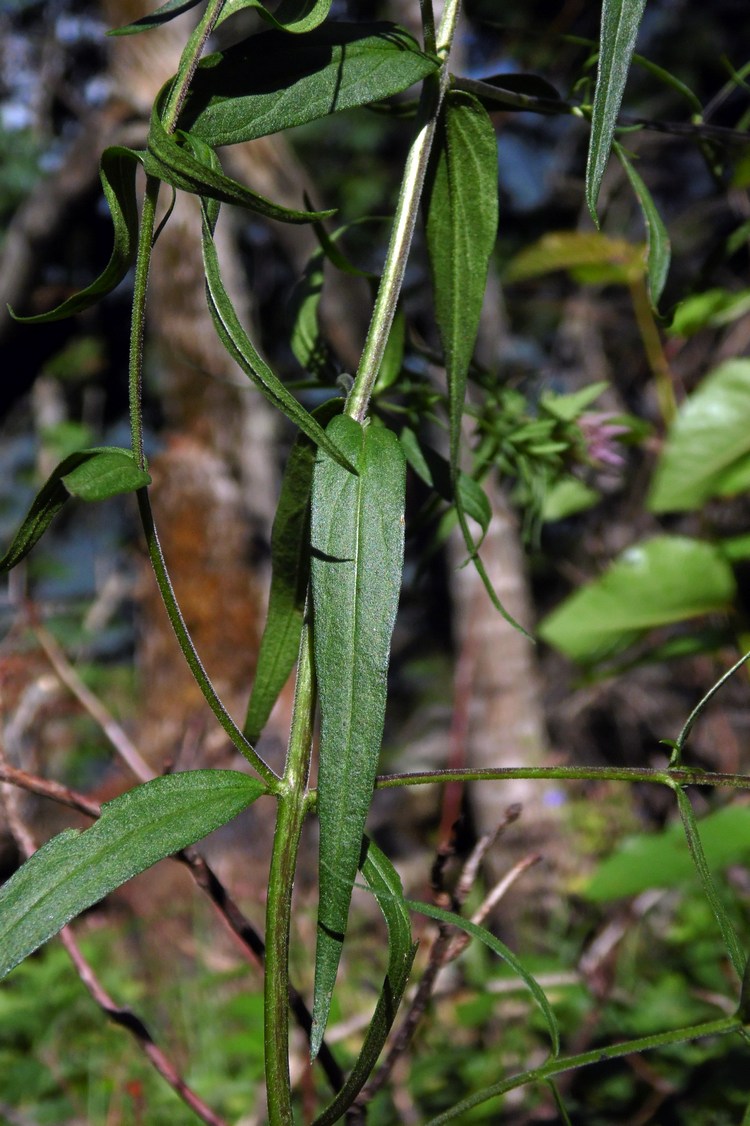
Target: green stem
x=670, y=778
x=404, y=222
x=289, y=818
x=188, y=649
x=559, y=1064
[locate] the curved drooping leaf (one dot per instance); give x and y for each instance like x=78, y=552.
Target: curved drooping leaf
x=242, y=350
x=619, y=28
x=434, y=470
x=662, y=580
x=295, y=16
x=385, y=885
x=175, y=164
x=357, y=539
x=165, y=12
x=117, y=173
x=270, y=82
x=659, y=249
x=503, y=952
x=95, y=474
x=75, y=870
x=707, y=449
x=589, y=255
x=290, y=571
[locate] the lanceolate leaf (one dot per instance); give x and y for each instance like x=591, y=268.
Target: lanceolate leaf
x=176, y=165
x=665, y=579
x=619, y=28
x=385, y=884
x=269, y=82
x=75, y=870
x=659, y=250
x=707, y=449
x=290, y=562
x=88, y=474
x=117, y=173
x=357, y=558
x=241, y=349
x=461, y=231
x=163, y=14
x=294, y=16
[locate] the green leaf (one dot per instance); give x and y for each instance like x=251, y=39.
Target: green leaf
x=461, y=230
x=75, y=870
x=117, y=173
x=707, y=448
x=711, y=309
x=268, y=82
x=567, y=497
x=619, y=28
x=654, y=860
x=662, y=580
x=160, y=15
x=241, y=349
x=307, y=343
x=290, y=563
x=94, y=474
x=296, y=16
x=357, y=558
x=385, y=884
x=434, y=470
x=604, y=260
x=659, y=249
x=503, y=952
x=177, y=165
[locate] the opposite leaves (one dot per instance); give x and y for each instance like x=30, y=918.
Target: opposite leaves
x=357, y=559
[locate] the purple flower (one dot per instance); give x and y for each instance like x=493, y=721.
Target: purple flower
x=600, y=434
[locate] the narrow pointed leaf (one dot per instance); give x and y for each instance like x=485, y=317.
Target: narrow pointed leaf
x=269, y=82
x=503, y=952
x=117, y=173
x=94, y=474
x=659, y=249
x=295, y=16
x=159, y=16
x=241, y=349
x=461, y=229
x=434, y=470
x=75, y=870
x=619, y=28
x=357, y=558
x=385, y=885
x=177, y=165
x=290, y=571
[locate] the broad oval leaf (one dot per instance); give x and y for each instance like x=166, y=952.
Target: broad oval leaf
x=662, y=580
x=357, y=557
x=75, y=870
x=707, y=449
x=270, y=82
x=385, y=884
x=94, y=474
x=619, y=28
x=117, y=173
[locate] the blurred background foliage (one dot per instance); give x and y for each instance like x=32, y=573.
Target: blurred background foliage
x=619, y=435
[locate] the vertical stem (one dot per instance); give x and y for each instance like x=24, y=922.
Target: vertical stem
x=289, y=819
x=651, y=340
x=404, y=221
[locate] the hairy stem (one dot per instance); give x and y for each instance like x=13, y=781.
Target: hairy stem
x=404, y=221
x=292, y=806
